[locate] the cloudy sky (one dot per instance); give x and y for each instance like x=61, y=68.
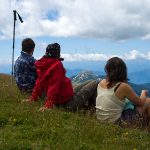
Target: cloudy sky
x=86, y=29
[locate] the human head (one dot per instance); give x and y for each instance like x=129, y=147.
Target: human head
x=116, y=71
x=28, y=45
x=53, y=50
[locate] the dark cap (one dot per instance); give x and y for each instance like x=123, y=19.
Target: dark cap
x=53, y=50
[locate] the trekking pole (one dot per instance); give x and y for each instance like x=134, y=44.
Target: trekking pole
x=13, y=47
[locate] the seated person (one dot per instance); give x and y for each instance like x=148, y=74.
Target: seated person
x=58, y=88
x=24, y=69
x=113, y=92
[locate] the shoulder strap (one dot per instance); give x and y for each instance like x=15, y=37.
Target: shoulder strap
x=115, y=89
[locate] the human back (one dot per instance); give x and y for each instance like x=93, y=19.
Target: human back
x=113, y=92
x=24, y=69
x=52, y=80
x=108, y=105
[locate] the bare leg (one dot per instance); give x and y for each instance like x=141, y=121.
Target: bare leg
x=87, y=94
x=145, y=110
x=82, y=94
x=148, y=100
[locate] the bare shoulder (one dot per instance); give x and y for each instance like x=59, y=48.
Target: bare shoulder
x=102, y=82
x=123, y=91
x=125, y=86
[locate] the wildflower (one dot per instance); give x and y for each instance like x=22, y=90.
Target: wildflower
x=125, y=134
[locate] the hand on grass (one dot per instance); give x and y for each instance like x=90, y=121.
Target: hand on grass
x=25, y=100
x=42, y=109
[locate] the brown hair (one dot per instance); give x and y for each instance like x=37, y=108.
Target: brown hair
x=28, y=45
x=116, y=71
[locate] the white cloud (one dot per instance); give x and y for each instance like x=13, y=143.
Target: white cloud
x=106, y=19
x=84, y=57
x=132, y=55
x=4, y=61
x=41, y=46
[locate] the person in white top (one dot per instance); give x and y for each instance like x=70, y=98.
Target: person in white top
x=112, y=93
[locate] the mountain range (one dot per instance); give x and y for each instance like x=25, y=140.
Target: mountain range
x=89, y=75
x=138, y=70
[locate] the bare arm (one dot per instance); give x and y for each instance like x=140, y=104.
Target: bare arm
x=125, y=90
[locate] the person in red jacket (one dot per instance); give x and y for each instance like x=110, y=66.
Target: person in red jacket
x=58, y=88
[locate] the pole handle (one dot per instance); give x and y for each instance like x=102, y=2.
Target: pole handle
x=15, y=17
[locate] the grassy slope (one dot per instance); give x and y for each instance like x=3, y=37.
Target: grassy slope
x=23, y=127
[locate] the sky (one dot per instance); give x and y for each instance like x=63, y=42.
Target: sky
x=87, y=30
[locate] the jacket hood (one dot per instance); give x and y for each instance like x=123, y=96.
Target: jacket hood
x=44, y=63
x=45, y=66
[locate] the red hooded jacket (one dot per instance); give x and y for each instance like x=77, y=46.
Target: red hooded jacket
x=52, y=80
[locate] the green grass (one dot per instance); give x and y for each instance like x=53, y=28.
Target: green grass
x=23, y=127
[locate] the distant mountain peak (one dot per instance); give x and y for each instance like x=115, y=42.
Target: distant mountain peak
x=84, y=76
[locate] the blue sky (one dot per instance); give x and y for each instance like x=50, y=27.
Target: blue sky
x=86, y=30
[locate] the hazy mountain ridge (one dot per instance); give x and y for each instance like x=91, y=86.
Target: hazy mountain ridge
x=138, y=70
x=83, y=76
x=89, y=75
x=140, y=77
x=137, y=77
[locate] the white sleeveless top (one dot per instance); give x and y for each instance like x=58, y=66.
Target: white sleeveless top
x=108, y=106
